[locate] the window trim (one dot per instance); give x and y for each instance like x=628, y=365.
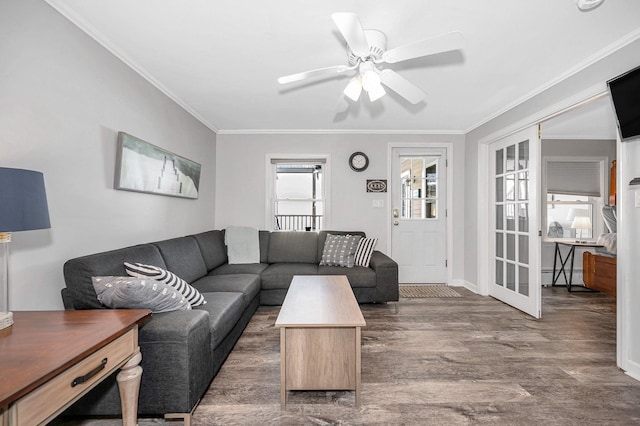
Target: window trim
x=271, y=161
x=598, y=222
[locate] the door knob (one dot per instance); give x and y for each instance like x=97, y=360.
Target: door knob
x=396, y=213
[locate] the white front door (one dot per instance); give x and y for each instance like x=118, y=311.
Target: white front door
x=514, y=243
x=418, y=231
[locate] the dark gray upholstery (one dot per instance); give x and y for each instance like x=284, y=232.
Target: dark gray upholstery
x=293, y=247
x=279, y=275
x=78, y=272
x=183, y=257
x=240, y=268
x=212, y=247
x=247, y=284
x=183, y=350
x=224, y=309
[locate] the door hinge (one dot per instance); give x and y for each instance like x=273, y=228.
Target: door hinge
x=539, y=131
x=446, y=212
x=539, y=233
x=446, y=263
x=446, y=162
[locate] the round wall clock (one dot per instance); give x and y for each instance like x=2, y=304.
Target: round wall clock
x=358, y=161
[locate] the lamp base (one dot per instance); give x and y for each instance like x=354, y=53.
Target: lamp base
x=6, y=319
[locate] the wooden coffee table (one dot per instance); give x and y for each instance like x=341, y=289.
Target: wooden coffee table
x=320, y=323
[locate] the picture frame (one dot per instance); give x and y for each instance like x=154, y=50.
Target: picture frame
x=144, y=167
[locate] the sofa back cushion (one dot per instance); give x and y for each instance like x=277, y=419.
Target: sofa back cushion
x=293, y=247
x=182, y=256
x=78, y=271
x=212, y=247
x=322, y=238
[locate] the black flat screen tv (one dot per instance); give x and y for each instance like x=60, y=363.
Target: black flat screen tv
x=625, y=94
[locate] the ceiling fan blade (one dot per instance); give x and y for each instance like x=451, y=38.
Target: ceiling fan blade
x=351, y=29
x=402, y=86
x=442, y=43
x=320, y=72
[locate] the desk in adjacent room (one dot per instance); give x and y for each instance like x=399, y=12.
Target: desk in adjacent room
x=570, y=255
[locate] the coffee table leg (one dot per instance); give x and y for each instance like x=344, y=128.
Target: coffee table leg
x=283, y=369
x=358, y=366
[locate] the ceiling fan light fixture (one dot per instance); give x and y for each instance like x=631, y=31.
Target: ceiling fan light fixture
x=353, y=89
x=376, y=92
x=369, y=75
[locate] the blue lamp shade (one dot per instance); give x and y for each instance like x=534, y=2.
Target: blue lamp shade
x=23, y=201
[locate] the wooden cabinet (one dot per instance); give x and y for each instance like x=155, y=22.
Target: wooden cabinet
x=599, y=273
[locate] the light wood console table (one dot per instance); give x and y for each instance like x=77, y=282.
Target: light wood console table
x=49, y=359
x=320, y=330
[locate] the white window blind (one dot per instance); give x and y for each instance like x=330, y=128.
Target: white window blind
x=573, y=178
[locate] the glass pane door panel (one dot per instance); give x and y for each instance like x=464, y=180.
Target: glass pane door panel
x=523, y=155
x=523, y=285
x=511, y=158
x=499, y=244
x=511, y=276
x=499, y=189
x=512, y=186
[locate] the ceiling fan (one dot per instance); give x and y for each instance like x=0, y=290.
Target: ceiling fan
x=367, y=49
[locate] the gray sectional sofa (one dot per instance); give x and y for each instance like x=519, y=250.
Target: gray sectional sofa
x=183, y=350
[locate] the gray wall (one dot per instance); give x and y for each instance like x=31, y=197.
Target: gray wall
x=63, y=98
x=241, y=172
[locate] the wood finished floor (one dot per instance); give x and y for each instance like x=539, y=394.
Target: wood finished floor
x=449, y=361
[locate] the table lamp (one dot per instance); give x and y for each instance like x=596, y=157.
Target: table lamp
x=581, y=222
x=23, y=207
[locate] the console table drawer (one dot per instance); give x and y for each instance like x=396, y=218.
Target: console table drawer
x=47, y=400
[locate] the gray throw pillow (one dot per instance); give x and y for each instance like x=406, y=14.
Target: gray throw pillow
x=137, y=293
x=340, y=250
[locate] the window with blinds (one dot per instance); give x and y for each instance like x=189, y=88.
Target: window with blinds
x=573, y=194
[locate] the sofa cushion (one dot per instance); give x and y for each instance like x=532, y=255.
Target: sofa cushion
x=183, y=257
x=247, y=284
x=293, y=247
x=141, y=270
x=358, y=276
x=364, y=251
x=212, y=247
x=243, y=268
x=279, y=275
x=224, y=308
x=340, y=250
x=138, y=293
x=322, y=237
x=78, y=271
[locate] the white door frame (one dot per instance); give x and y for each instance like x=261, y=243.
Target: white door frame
x=580, y=99
x=448, y=148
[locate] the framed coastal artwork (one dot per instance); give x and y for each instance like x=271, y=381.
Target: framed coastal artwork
x=143, y=167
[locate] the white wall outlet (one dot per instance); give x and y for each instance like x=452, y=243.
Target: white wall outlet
x=378, y=203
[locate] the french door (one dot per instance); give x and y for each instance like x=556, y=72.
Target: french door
x=514, y=238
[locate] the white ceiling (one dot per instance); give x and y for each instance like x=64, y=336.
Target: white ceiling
x=220, y=59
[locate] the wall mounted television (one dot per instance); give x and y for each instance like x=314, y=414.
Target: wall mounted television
x=625, y=95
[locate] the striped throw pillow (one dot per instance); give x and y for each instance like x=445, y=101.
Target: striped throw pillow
x=364, y=251
x=139, y=270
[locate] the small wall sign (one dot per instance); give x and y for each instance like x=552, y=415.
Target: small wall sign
x=376, y=185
